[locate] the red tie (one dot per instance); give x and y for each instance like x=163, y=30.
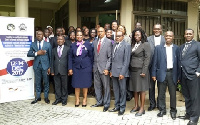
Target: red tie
x=99, y=46
x=45, y=39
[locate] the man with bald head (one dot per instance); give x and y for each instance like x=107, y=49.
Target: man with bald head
x=101, y=68
x=165, y=71
x=59, y=70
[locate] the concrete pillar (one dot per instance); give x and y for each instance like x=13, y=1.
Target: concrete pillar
x=126, y=15
x=193, y=17
x=73, y=13
x=21, y=8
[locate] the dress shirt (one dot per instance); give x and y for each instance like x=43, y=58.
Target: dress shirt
x=136, y=46
x=47, y=39
x=52, y=35
x=101, y=40
x=58, y=48
x=41, y=45
x=116, y=47
x=169, y=55
x=114, y=33
x=157, y=40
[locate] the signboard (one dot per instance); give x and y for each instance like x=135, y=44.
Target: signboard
x=16, y=71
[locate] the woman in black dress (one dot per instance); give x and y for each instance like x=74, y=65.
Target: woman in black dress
x=139, y=69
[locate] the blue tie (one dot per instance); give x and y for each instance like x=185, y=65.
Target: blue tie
x=39, y=45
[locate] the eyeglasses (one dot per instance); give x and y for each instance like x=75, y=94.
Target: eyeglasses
x=119, y=36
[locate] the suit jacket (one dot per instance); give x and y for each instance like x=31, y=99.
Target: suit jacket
x=151, y=41
x=55, y=44
x=121, y=59
x=102, y=60
x=190, y=63
x=60, y=64
x=159, y=65
x=84, y=60
x=140, y=58
x=45, y=60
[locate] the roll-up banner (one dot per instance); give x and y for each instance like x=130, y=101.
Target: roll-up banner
x=16, y=69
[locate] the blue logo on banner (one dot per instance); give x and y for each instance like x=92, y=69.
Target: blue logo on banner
x=17, y=67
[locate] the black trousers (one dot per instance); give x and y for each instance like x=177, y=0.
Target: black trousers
x=61, y=87
x=152, y=99
x=162, y=86
x=191, y=93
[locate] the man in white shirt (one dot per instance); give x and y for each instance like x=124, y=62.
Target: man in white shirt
x=41, y=51
x=154, y=40
x=114, y=28
x=165, y=71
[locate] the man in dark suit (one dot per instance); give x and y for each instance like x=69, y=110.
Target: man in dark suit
x=190, y=72
x=59, y=71
x=154, y=40
x=165, y=71
x=101, y=67
x=41, y=51
x=119, y=71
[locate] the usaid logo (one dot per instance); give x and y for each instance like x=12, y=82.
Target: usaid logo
x=17, y=67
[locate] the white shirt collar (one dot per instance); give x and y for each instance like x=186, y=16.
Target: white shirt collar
x=102, y=39
x=168, y=46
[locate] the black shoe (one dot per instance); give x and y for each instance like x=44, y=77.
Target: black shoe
x=186, y=116
x=64, y=103
x=105, y=109
x=96, y=105
x=47, y=100
x=84, y=105
x=135, y=110
x=36, y=100
x=56, y=102
x=121, y=112
x=160, y=114
x=151, y=108
x=114, y=110
x=173, y=115
x=76, y=105
x=139, y=113
x=191, y=123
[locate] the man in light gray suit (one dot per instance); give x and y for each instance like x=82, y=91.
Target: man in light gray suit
x=154, y=40
x=101, y=67
x=119, y=71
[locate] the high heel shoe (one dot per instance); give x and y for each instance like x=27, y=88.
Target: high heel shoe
x=77, y=105
x=140, y=113
x=84, y=105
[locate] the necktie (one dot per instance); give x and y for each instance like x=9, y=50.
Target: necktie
x=116, y=47
x=59, y=51
x=39, y=45
x=99, y=46
x=185, y=49
x=45, y=39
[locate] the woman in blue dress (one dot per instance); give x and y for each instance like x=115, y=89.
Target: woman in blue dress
x=80, y=67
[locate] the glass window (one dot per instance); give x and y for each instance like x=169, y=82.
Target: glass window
x=98, y=5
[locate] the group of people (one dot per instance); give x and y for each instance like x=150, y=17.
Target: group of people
x=135, y=63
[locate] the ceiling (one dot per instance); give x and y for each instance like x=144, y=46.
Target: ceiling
x=50, y=1
x=9, y=5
